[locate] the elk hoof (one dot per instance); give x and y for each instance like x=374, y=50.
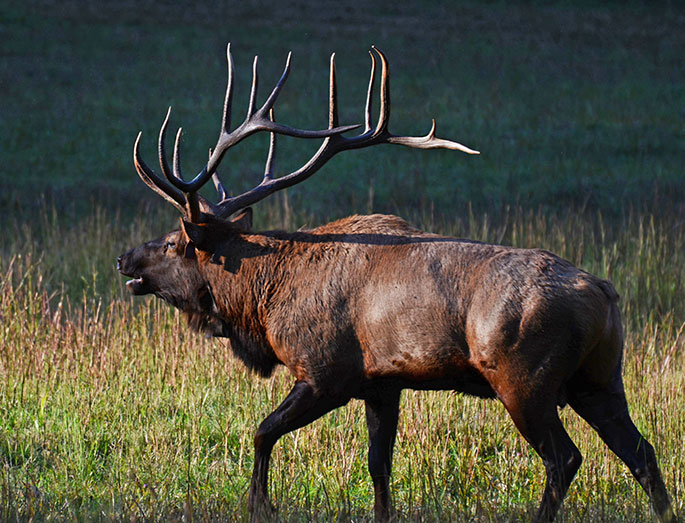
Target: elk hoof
x=261, y=508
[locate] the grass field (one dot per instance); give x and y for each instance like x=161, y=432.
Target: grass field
x=110, y=409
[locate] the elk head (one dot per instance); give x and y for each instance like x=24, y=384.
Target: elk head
x=167, y=266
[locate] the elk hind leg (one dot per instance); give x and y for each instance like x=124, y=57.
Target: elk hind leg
x=381, y=420
x=605, y=408
x=538, y=421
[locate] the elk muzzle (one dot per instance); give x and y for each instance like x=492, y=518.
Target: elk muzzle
x=128, y=264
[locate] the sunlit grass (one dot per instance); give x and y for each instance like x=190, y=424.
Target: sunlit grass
x=110, y=407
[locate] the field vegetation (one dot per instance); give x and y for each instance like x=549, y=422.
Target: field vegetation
x=110, y=409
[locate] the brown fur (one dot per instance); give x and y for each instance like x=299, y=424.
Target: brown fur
x=368, y=305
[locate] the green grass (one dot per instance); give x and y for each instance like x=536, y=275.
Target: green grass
x=111, y=409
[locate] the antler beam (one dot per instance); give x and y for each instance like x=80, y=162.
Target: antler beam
x=183, y=194
x=337, y=143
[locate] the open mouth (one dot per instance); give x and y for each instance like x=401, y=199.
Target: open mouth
x=134, y=282
x=137, y=286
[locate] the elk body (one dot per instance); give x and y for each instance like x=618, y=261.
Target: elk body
x=368, y=305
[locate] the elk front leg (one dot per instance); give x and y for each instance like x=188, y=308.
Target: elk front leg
x=300, y=407
x=381, y=420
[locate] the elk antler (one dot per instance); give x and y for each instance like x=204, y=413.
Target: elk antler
x=183, y=194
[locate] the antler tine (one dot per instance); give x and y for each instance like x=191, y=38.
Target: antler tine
x=192, y=199
x=268, y=168
x=369, y=93
x=223, y=194
x=271, y=100
x=163, y=164
x=332, y=97
x=228, y=99
x=253, y=89
x=430, y=141
x=154, y=182
x=177, y=155
x=384, y=112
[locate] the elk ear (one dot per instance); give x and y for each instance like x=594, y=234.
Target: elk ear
x=196, y=234
x=244, y=219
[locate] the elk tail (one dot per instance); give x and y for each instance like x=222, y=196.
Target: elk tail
x=609, y=291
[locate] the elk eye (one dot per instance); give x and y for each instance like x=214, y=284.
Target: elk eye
x=169, y=245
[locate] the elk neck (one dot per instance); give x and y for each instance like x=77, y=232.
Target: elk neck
x=240, y=279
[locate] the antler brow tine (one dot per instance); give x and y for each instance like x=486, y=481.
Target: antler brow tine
x=154, y=182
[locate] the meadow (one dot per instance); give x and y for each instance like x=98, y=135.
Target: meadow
x=110, y=409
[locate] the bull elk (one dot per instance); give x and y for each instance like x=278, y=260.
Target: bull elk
x=366, y=306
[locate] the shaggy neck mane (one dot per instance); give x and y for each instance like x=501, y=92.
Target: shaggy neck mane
x=233, y=301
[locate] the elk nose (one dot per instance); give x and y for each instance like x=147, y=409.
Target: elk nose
x=119, y=263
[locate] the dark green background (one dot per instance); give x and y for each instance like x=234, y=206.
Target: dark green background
x=572, y=107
